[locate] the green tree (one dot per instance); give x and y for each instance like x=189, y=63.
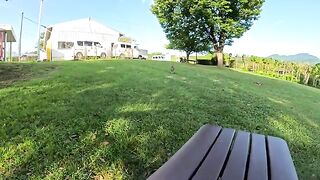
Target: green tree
x=224, y=20
x=181, y=28
x=316, y=75
x=217, y=21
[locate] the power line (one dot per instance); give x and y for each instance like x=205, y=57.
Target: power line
x=17, y=12
x=34, y=22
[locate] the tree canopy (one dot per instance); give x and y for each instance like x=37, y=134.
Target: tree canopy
x=216, y=22
x=181, y=27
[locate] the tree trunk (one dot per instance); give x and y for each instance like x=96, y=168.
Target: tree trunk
x=306, y=78
x=219, y=55
x=188, y=56
x=315, y=80
x=306, y=75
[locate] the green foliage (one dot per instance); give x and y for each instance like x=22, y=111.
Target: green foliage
x=181, y=28
x=225, y=20
x=316, y=69
x=301, y=73
x=315, y=76
x=197, y=23
x=124, y=119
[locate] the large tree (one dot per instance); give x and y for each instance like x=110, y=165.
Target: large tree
x=218, y=21
x=180, y=26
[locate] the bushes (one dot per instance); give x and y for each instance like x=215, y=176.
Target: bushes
x=232, y=63
x=301, y=73
x=211, y=62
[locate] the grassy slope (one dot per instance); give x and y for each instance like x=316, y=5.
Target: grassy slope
x=123, y=119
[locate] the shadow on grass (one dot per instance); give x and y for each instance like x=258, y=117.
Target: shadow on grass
x=126, y=128
x=11, y=72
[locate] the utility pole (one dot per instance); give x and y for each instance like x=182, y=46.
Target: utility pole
x=20, y=39
x=5, y=46
x=39, y=29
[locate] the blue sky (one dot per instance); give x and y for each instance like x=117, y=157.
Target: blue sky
x=285, y=27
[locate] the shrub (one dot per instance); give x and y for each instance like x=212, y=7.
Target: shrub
x=207, y=62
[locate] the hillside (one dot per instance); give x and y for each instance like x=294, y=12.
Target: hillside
x=298, y=58
x=123, y=119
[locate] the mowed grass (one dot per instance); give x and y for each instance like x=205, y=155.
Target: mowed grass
x=124, y=119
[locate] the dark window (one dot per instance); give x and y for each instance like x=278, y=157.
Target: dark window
x=129, y=46
x=65, y=45
x=97, y=44
x=88, y=43
x=123, y=46
x=80, y=43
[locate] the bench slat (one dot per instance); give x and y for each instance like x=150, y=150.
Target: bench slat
x=236, y=166
x=216, y=153
x=281, y=164
x=212, y=165
x=182, y=164
x=258, y=163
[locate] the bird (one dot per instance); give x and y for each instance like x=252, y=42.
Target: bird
x=172, y=70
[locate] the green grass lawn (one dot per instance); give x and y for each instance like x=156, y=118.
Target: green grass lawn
x=123, y=119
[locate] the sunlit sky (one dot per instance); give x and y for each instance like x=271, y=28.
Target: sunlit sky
x=285, y=26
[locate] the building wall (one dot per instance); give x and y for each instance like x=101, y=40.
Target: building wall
x=105, y=39
x=2, y=50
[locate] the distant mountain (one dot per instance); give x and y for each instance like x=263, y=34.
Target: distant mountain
x=298, y=58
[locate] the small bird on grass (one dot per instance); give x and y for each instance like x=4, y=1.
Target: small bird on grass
x=173, y=69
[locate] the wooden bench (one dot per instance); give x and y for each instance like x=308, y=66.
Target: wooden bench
x=227, y=154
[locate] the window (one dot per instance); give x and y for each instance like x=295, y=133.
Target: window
x=65, y=45
x=88, y=43
x=97, y=44
x=129, y=46
x=135, y=47
x=123, y=46
x=80, y=43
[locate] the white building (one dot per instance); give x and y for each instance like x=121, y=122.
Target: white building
x=6, y=36
x=60, y=39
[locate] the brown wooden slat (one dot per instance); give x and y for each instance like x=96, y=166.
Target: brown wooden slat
x=213, y=164
x=281, y=164
x=236, y=165
x=258, y=163
x=183, y=163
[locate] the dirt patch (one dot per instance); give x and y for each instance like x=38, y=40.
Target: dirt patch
x=10, y=73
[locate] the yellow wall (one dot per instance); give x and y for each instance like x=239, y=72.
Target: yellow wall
x=49, y=50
